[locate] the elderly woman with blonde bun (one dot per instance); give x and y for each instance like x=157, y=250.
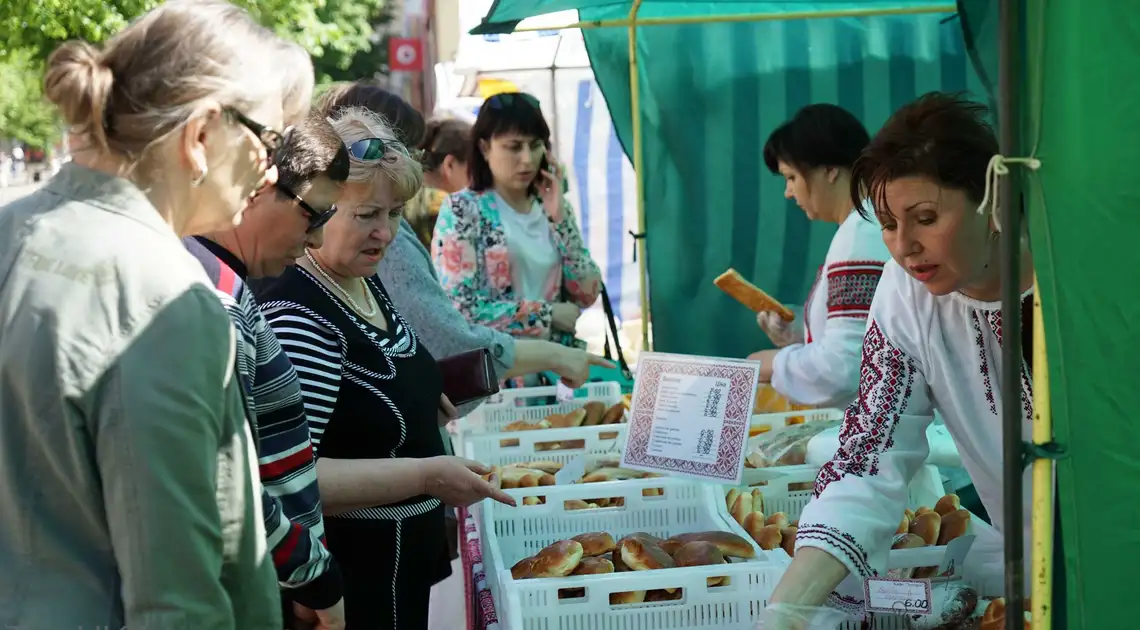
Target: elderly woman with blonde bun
x=373, y=394
x=126, y=459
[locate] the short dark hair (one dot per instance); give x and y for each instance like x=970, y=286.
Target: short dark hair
x=511, y=112
x=819, y=135
x=398, y=113
x=943, y=137
x=444, y=137
x=310, y=150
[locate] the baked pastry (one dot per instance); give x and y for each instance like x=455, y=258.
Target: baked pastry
x=593, y=566
x=947, y=504
x=769, y=537
x=557, y=560
x=596, y=543
x=909, y=541
x=573, y=419
x=904, y=525
x=954, y=525
x=743, y=507
x=545, y=465
x=595, y=411
x=663, y=595
x=994, y=616
x=697, y=554
x=927, y=525
x=627, y=597
x=779, y=518
x=753, y=524
x=641, y=555
x=578, y=504
x=757, y=500
x=951, y=605
x=730, y=497
x=523, y=569
x=614, y=415
x=729, y=544
x=523, y=425
x=788, y=539
x=748, y=294
x=612, y=474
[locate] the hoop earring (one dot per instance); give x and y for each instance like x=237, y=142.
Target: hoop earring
x=197, y=181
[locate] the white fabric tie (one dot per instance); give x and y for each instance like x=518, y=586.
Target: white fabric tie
x=997, y=168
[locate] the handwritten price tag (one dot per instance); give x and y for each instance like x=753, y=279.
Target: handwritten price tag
x=573, y=471
x=911, y=597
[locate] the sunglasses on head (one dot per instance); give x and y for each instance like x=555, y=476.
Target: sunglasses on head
x=506, y=99
x=317, y=219
x=369, y=149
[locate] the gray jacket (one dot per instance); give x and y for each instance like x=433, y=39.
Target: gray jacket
x=128, y=490
x=408, y=275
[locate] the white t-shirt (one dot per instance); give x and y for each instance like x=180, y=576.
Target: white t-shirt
x=535, y=261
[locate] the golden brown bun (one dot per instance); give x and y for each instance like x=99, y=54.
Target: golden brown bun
x=754, y=524
x=743, y=507
x=545, y=465
x=641, y=555
x=532, y=500
x=521, y=477
x=947, y=504
x=523, y=569
x=698, y=553
x=615, y=557
x=495, y=477
x=954, y=525
x=628, y=597
x=596, y=543
x=573, y=419
x=729, y=544
x=779, y=518
x=748, y=294
x=595, y=411
x=614, y=415
x=757, y=500
x=557, y=560
x=927, y=525
x=909, y=541
x=788, y=539
x=523, y=425
x=909, y=514
x=770, y=537
x=922, y=510
x=577, y=504
x=594, y=566
x=663, y=595
x=652, y=492
x=904, y=525
x=730, y=497
x=612, y=474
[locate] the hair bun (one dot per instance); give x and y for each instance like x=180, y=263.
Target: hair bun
x=79, y=84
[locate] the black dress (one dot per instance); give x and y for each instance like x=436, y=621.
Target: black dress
x=370, y=394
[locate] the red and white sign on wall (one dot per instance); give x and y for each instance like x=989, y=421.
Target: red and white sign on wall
x=405, y=54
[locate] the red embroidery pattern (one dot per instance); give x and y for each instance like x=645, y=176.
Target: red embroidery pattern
x=851, y=287
x=983, y=358
x=886, y=382
x=993, y=318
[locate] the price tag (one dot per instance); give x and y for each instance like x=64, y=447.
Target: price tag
x=689, y=416
x=956, y=551
x=911, y=597
x=572, y=472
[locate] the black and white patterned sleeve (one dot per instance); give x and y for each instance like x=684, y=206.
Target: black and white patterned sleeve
x=861, y=494
x=314, y=347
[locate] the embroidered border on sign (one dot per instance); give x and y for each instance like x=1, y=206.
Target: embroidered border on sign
x=886, y=379
x=851, y=287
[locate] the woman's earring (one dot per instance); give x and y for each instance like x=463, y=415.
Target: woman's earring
x=197, y=181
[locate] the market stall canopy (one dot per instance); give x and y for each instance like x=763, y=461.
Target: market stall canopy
x=532, y=50
x=505, y=15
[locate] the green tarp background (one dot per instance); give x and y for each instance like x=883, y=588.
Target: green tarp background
x=711, y=94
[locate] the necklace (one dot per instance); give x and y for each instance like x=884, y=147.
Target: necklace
x=368, y=299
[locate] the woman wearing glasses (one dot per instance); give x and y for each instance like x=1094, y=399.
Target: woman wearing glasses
x=373, y=394
x=124, y=438
x=508, y=249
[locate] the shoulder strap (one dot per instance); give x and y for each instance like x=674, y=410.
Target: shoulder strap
x=609, y=310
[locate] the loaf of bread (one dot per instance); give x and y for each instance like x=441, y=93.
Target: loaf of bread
x=951, y=605
x=614, y=415
x=947, y=504
x=594, y=566
x=748, y=294
x=641, y=555
x=788, y=539
x=595, y=411
x=927, y=525
x=954, y=525
x=697, y=554
x=547, y=466
x=557, y=560
x=523, y=425
x=596, y=543
x=730, y=545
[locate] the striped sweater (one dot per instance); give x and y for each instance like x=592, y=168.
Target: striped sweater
x=290, y=498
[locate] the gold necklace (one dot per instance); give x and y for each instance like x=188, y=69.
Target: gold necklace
x=373, y=307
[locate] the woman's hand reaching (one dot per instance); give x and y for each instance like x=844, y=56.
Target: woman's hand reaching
x=457, y=482
x=782, y=333
x=573, y=365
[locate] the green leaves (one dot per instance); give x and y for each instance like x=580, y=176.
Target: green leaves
x=339, y=34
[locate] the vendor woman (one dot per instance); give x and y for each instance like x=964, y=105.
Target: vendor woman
x=933, y=342
x=817, y=362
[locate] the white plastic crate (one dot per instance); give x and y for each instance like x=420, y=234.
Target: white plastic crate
x=491, y=417
x=559, y=445
x=777, y=420
x=511, y=534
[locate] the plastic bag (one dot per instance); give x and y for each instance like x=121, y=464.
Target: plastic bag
x=786, y=446
x=789, y=617
x=782, y=333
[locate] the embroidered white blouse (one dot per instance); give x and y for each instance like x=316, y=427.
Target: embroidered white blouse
x=921, y=352
x=824, y=370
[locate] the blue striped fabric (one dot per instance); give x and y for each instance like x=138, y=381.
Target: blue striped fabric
x=711, y=94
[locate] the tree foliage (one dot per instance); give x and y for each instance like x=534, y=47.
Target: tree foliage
x=339, y=34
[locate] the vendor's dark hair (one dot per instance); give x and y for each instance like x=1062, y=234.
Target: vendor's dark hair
x=942, y=137
x=819, y=135
x=511, y=112
x=404, y=119
x=444, y=137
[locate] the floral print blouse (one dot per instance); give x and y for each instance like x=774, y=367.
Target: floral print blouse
x=469, y=250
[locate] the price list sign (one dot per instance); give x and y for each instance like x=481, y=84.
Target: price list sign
x=689, y=416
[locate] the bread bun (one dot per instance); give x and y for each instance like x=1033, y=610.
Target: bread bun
x=594, y=566
x=595, y=411
x=779, y=518
x=731, y=545
x=596, y=543
x=641, y=555
x=628, y=597
x=947, y=504
x=928, y=526
x=788, y=539
x=757, y=500
x=522, y=570
x=954, y=525
x=614, y=415
x=545, y=465
x=743, y=507
x=754, y=524
x=698, y=553
x=730, y=497
x=909, y=541
x=573, y=419
x=557, y=560
x=770, y=537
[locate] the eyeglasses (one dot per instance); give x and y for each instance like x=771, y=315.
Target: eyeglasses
x=317, y=220
x=369, y=149
x=270, y=138
x=507, y=99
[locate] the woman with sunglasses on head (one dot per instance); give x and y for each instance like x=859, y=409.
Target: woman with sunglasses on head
x=933, y=344
x=373, y=394
x=443, y=154
x=817, y=362
x=124, y=439
x=508, y=249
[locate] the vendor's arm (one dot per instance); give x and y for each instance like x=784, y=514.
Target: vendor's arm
x=826, y=371
x=580, y=274
x=860, y=495
x=464, y=274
